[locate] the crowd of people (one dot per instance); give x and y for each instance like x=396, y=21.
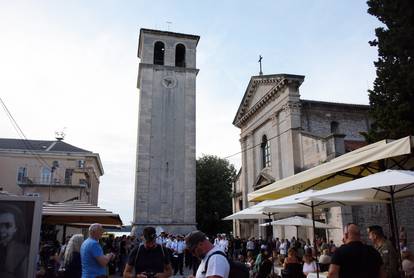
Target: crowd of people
x=168, y=254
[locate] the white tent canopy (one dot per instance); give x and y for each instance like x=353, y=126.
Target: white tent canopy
x=299, y=221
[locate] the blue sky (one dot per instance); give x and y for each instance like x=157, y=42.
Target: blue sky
x=73, y=65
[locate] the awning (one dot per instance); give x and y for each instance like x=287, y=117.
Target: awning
x=356, y=164
x=77, y=213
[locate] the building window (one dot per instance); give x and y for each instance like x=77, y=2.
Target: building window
x=240, y=204
x=68, y=176
x=159, y=51
x=334, y=127
x=45, y=175
x=180, y=55
x=22, y=174
x=265, y=149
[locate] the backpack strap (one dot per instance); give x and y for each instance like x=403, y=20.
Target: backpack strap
x=214, y=253
x=163, y=254
x=136, y=256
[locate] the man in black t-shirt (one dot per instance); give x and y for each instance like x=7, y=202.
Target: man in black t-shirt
x=355, y=259
x=148, y=260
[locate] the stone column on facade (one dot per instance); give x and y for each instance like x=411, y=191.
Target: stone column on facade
x=289, y=138
x=243, y=143
x=250, y=164
x=278, y=163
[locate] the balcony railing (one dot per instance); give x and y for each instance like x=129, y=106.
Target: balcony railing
x=46, y=181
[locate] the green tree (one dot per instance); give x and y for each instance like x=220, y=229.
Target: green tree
x=214, y=188
x=392, y=98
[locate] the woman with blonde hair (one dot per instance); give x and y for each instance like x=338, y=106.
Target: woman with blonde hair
x=309, y=264
x=72, y=258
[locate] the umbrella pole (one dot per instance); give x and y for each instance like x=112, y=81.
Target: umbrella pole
x=394, y=218
x=314, y=239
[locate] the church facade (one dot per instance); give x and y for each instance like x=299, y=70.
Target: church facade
x=282, y=134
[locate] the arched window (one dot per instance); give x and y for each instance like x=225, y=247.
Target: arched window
x=180, y=55
x=159, y=51
x=265, y=149
x=334, y=127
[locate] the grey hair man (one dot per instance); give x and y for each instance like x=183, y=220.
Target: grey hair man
x=93, y=259
x=217, y=264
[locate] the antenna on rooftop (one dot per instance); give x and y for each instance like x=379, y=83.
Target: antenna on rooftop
x=60, y=135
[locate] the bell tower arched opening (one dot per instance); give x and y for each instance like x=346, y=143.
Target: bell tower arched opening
x=180, y=55
x=159, y=51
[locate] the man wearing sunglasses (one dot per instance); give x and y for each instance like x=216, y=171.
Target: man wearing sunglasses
x=217, y=265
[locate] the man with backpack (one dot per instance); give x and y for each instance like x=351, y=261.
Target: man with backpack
x=214, y=262
x=149, y=259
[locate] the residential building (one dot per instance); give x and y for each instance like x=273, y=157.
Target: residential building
x=55, y=170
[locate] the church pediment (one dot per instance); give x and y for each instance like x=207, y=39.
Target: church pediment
x=260, y=91
x=262, y=180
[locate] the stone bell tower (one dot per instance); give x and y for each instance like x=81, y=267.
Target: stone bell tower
x=165, y=181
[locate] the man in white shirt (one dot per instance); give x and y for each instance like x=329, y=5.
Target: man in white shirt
x=218, y=265
x=217, y=240
x=224, y=244
x=178, y=247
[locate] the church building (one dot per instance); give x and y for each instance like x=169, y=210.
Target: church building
x=282, y=135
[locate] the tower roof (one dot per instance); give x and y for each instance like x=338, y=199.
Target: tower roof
x=165, y=33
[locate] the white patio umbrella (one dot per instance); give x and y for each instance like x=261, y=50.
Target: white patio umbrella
x=248, y=213
x=261, y=211
x=299, y=221
x=386, y=185
x=383, y=185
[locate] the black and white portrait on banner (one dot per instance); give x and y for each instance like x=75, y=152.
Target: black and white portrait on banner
x=20, y=219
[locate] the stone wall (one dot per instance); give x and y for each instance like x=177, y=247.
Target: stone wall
x=165, y=171
x=317, y=118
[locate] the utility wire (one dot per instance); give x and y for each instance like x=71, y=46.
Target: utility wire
x=252, y=147
x=26, y=142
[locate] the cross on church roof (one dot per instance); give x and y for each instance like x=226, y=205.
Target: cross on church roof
x=260, y=62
